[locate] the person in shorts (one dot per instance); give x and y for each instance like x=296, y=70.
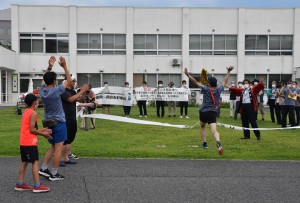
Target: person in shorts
x=210, y=105
x=28, y=146
x=54, y=114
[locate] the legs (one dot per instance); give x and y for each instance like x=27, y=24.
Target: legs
x=262, y=111
x=278, y=111
x=297, y=110
x=231, y=103
x=272, y=108
x=22, y=170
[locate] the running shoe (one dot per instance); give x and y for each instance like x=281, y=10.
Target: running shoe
x=46, y=173
x=56, y=177
x=204, y=146
x=22, y=187
x=73, y=156
x=41, y=188
x=220, y=151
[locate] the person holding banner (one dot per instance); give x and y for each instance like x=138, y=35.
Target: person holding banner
x=160, y=104
x=142, y=104
x=185, y=104
x=210, y=105
x=128, y=99
x=171, y=104
x=106, y=107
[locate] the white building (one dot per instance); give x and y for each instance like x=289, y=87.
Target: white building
x=118, y=44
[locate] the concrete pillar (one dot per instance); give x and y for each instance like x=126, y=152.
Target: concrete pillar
x=73, y=39
x=129, y=45
x=185, y=42
x=241, y=45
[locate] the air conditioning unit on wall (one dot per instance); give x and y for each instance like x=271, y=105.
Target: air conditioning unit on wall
x=176, y=62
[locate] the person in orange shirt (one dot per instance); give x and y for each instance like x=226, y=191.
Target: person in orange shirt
x=28, y=146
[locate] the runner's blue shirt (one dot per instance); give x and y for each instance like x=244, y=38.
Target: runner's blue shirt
x=208, y=103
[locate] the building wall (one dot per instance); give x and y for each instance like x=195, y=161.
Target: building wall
x=183, y=21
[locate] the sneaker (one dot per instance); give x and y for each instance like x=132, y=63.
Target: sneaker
x=69, y=162
x=46, y=173
x=221, y=151
x=180, y=117
x=186, y=117
x=56, y=177
x=73, y=156
x=140, y=116
x=41, y=188
x=204, y=146
x=62, y=164
x=146, y=116
x=22, y=187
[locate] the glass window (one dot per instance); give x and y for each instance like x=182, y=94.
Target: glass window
x=108, y=78
x=231, y=42
x=219, y=42
x=250, y=42
x=151, y=80
x=151, y=41
x=108, y=41
x=94, y=41
x=206, y=42
x=175, y=42
x=163, y=42
x=164, y=78
x=120, y=41
x=286, y=42
x=139, y=42
x=274, y=42
x=63, y=46
x=262, y=42
x=176, y=79
x=37, y=46
x=120, y=80
x=51, y=46
x=25, y=45
x=194, y=42
x=82, y=41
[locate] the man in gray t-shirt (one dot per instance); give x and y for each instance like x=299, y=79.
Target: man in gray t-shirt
x=210, y=106
x=288, y=107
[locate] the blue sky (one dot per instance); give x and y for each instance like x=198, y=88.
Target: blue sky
x=162, y=3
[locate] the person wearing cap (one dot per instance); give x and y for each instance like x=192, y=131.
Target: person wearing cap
x=209, y=107
x=54, y=116
x=288, y=108
x=69, y=99
x=249, y=106
x=28, y=145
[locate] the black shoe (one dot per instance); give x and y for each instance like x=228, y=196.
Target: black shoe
x=258, y=138
x=170, y=116
x=174, y=115
x=69, y=162
x=56, y=177
x=62, y=164
x=262, y=119
x=46, y=173
x=245, y=138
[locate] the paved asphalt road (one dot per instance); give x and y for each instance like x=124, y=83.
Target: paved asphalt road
x=161, y=180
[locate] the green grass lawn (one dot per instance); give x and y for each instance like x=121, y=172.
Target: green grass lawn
x=125, y=140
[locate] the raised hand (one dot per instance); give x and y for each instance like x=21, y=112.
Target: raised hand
x=62, y=62
x=186, y=72
x=230, y=68
x=51, y=61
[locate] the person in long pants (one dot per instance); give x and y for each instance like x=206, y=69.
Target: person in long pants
x=160, y=104
x=297, y=103
x=271, y=93
x=142, y=104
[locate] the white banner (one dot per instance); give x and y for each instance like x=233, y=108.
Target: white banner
x=110, y=95
x=161, y=94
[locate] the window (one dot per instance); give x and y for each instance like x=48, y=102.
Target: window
x=34, y=43
x=273, y=45
x=157, y=44
x=105, y=44
x=213, y=44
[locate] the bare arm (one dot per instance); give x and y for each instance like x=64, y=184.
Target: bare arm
x=77, y=96
x=198, y=84
x=62, y=62
x=50, y=65
x=45, y=132
x=227, y=75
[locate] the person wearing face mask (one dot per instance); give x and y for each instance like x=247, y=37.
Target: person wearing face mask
x=297, y=103
x=238, y=102
x=210, y=106
x=260, y=101
x=278, y=103
x=249, y=105
x=128, y=99
x=232, y=100
x=142, y=103
x=106, y=107
x=288, y=107
x=184, y=104
x=160, y=104
x=271, y=93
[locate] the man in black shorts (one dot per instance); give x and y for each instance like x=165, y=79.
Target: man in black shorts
x=210, y=105
x=69, y=99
